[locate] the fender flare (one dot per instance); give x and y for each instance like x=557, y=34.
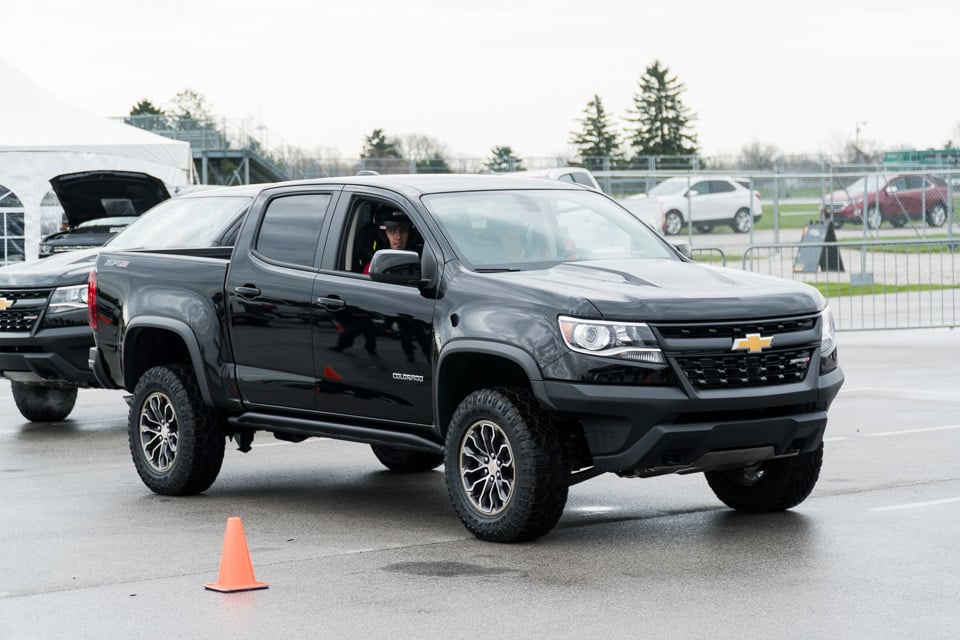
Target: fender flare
x=489, y=347
x=185, y=332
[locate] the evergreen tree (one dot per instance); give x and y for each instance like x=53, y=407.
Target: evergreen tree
x=146, y=115
x=376, y=145
x=145, y=108
x=596, y=139
x=663, y=122
x=503, y=160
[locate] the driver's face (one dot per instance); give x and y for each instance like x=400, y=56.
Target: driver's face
x=398, y=237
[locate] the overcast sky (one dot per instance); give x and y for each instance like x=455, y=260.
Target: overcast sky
x=475, y=74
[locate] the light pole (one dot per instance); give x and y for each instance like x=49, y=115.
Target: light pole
x=856, y=144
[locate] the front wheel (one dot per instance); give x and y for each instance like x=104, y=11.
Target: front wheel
x=405, y=460
x=38, y=403
x=773, y=485
x=937, y=215
x=175, y=440
x=672, y=223
x=742, y=221
x=504, y=466
x=874, y=218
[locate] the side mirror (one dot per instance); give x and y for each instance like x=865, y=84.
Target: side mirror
x=891, y=189
x=396, y=267
x=693, y=192
x=684, y=249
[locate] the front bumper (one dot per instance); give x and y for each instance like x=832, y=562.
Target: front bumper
x=49, y=355
x=647, y=431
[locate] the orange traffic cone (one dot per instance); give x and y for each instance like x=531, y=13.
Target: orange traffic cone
x=236, y=570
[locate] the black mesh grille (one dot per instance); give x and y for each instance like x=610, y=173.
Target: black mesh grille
x=737, y=330
x=21, y=308
x=731, y=371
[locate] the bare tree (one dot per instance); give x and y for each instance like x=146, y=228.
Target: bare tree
x=758, y=155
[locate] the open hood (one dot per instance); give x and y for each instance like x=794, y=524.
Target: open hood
x=88, y=195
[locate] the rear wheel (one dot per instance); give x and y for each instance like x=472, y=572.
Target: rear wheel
x=742, y=221
x=406, y=461
x=39, y=403
x=504, y=466
x=773, y=485
x=937, y=215
x=672, y=223
x=175, y=440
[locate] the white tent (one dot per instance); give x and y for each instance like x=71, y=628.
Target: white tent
x=41, y=137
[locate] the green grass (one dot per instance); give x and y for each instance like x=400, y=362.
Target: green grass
x=840, y=289
x=940, y=247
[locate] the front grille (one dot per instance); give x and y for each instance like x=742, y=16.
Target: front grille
x=719, y=371
x=22, y=308
x=737, y=329
x=835, y=207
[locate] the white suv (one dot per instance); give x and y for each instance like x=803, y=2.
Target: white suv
x=707, y=201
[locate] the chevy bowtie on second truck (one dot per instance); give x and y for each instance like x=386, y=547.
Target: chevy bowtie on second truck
x=531, y=335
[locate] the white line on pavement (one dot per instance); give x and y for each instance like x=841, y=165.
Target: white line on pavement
x=915, y=505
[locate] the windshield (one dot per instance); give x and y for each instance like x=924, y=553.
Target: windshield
x=537, y=229
x=116, y=221
x=669, y=188
x=181, y=223
x=867, y=183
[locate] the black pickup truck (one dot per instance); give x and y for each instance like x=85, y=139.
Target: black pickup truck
x=531, y=335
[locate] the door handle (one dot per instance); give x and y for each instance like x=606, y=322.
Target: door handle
x=247, y=292
x=331, y=304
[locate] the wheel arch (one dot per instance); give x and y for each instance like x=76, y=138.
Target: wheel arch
x=468, y=365
x=157, y=341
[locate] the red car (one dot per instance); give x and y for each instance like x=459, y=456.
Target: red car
x=895, y=199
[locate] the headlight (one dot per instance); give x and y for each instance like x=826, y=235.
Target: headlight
x=828, y=342
x=828, y=332
x=625, y=340
x=66, y=299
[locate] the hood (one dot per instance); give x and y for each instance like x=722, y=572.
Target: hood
x=842, y=196
x=60, y=270
x=674, y=291
x=100, y=194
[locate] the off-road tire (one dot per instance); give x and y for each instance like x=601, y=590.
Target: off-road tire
x=180, y=449
x=774, y=485
x=742, y=221
x=535, y=475
x=672, y=223
x=406, y=460
x=38, y=403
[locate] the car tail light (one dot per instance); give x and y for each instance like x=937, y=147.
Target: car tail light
x=92, y=300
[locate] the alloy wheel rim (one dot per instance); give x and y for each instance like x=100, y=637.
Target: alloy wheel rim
x=487, y=470
x=938, y=215
x=159, y=432
x=743, y=220
x=674, y=224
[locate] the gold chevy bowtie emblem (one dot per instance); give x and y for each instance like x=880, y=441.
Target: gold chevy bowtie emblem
x=5, y=304
x=754, y=343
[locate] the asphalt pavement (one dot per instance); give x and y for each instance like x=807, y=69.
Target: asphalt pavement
x=352, y=551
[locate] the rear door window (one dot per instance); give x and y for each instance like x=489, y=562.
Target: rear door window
x=290, y=229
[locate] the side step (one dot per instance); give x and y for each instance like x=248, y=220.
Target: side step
x=323, y=429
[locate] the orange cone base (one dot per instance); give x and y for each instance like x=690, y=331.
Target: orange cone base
x=236, y=570
x=240, y=587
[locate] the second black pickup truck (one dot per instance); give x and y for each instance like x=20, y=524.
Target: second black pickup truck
x=531, y=335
